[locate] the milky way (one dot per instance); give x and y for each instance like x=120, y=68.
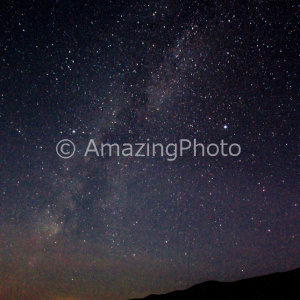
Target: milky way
x=93, y=227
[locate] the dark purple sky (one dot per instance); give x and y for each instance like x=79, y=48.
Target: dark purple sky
x=138, y=71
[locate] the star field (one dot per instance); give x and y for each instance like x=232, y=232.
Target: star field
x=139, y=71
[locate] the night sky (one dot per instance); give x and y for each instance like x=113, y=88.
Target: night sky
x=146, y=71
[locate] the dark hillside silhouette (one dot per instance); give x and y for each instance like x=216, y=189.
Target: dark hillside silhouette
x=285, y=285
